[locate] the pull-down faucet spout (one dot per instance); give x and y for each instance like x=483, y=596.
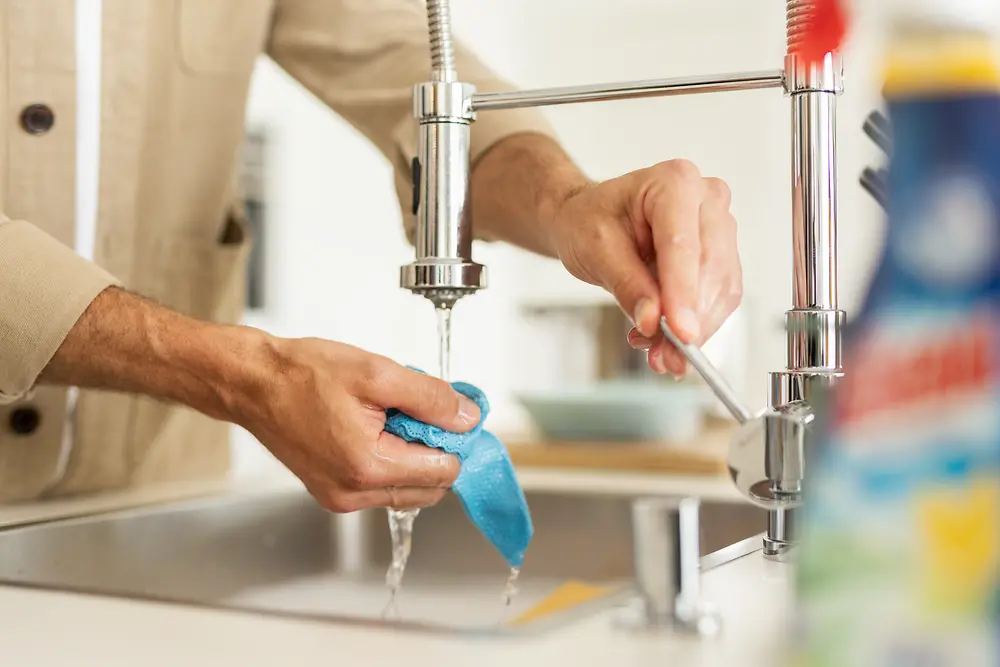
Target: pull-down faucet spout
x=443, y=270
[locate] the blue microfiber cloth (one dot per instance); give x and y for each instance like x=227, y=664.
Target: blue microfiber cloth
x=486, y=485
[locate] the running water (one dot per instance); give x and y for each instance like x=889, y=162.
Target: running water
x=444, y=342
x=401, y=521
x=510, y=588
x=401, y=532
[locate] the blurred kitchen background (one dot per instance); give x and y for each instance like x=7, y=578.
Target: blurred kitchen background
x=330, y=241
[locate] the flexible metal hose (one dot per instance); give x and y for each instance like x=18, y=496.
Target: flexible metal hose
x=798, y=14
x=442, y=50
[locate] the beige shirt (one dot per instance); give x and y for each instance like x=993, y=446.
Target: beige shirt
x=174, y=79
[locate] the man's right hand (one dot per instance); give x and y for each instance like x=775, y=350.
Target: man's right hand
x=321, y=412
x=318, y=406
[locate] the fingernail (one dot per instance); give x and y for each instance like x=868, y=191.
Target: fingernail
x=645, y=316
x=639, y=342
x=688, y=325
x=468, y=412
x=656, y=362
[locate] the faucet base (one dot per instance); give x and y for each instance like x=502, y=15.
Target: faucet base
x=781, y=552
x=697, y=621
x=781, y=535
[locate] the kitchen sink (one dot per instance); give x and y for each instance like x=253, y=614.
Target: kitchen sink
x=277, y=552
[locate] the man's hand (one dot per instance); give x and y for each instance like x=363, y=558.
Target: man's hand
x=321, y=412
x=318, y=406
x=661, y=239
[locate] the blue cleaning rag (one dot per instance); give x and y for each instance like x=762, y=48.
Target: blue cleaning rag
x=486, y=484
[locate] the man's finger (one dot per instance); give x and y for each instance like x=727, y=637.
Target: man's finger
x=665, y=358
x=407, y=498
x=407, y=464
x=672, y=209
x=637, y=341
x=394, y=498
x=426, y=398
x=721, y=273
x=625, y=275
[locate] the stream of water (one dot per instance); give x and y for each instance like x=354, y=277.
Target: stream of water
x=510, y=588
x=401, y=521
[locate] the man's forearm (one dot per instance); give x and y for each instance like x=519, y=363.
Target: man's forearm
x=517, y=188
x=126, y=343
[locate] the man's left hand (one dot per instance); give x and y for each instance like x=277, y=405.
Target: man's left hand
x=663, y=241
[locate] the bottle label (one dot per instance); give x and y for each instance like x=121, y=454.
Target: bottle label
x=900, y=560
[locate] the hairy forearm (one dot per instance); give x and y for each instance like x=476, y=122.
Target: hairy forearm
x=517, y=188
x=126, y=343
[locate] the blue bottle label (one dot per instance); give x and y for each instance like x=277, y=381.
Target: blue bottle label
x=900, y=561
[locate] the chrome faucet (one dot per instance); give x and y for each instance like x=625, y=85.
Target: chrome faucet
x=767, y=457
x=443, y=270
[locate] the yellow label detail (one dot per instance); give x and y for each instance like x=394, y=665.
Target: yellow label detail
x=960, y=534
x=916, y=67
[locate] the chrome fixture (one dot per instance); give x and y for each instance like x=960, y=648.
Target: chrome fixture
x=667, y=568
x=768, y=453
x=443, y=270
x=815, y=324
x=767, y=456
x=626, y=91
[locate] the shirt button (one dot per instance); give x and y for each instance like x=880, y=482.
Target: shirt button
x=37, y=119
x=25, y=421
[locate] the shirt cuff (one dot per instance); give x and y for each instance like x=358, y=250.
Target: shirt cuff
x=44, y=289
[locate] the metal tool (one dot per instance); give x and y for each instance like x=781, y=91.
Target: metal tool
x=444, y=270
x=713, y=378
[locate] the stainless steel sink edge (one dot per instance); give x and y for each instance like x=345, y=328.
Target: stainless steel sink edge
x=197, y=553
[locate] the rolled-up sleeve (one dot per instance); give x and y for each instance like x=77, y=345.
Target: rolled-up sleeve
x=363, y=57
x=44, y=289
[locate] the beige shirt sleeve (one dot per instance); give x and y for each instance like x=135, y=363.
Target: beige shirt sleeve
x=363, y=57
x=44, y=289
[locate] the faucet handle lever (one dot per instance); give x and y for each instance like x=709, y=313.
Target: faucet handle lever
x=767, y=456
x=713, y=378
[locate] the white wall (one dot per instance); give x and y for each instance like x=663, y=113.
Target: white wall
x=335, y=241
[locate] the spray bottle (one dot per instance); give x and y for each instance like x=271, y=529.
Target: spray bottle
x=900, y=560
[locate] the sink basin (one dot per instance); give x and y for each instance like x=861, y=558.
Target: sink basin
x=278, y=553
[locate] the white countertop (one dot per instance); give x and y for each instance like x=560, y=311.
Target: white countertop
x=46, y=628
